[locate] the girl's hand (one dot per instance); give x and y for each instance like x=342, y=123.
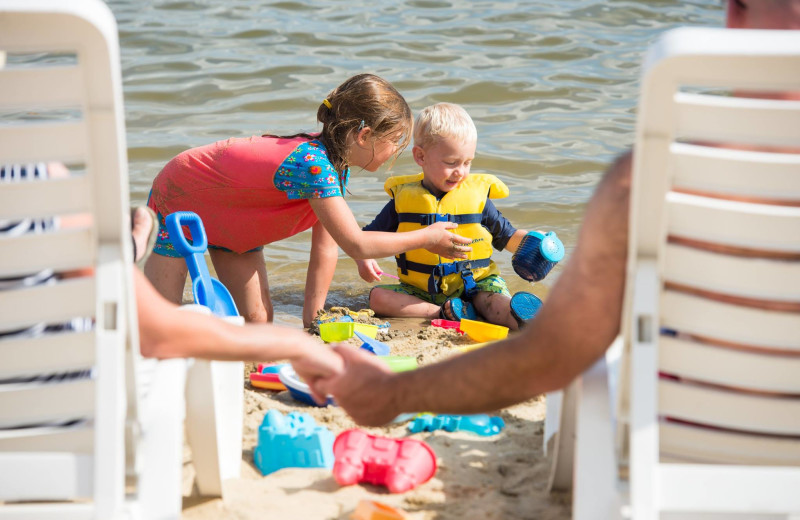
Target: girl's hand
x=447, y=244
x=369, y=270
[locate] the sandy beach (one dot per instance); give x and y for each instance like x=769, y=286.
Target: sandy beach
x=503, y=476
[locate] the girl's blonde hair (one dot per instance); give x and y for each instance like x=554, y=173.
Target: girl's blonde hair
x=443, y=120
x=365, y=100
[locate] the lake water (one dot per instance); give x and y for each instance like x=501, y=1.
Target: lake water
x=551, y=84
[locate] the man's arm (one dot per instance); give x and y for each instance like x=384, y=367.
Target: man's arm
x=575, y=326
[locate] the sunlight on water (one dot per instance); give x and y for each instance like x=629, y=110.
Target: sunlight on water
x=551, y=85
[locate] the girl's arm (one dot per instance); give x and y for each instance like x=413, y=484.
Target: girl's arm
x=335, y=215
x=321, y=266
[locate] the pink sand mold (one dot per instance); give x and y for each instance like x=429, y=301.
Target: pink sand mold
x=294, y=441
x=398, y=464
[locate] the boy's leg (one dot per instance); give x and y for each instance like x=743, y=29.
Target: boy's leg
x=495, y=308
x=245, y=276
x=388, y=303
x=168, y=276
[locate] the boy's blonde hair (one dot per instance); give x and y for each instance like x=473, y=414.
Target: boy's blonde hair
x=443, y=120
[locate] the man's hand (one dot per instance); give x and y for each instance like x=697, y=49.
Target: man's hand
x=363, y=390
x=315, y=363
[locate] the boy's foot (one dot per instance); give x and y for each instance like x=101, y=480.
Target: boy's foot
x=143, y=231
x=524, y=306
x=456, y=309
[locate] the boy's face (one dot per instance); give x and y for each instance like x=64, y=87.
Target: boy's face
x=445, y=163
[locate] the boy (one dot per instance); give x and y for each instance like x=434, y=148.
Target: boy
x=434, y=286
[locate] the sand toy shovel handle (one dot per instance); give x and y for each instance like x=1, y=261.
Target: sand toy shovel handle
x=207, y=291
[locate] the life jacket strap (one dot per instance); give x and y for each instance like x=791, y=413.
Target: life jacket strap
x=426, y=219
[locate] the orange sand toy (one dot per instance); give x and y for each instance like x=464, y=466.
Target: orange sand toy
x=372, y=510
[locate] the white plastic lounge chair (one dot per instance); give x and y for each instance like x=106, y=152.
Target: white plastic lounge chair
x=86, y=430
x=707, y=418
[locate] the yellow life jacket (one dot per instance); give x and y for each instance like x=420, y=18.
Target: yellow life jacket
x=417, y=208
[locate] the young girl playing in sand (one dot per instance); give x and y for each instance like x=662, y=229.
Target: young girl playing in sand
x=254, y=191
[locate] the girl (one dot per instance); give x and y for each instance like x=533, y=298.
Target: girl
x=253, y=191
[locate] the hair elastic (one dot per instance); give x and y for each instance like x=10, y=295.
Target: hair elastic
x=327, y=103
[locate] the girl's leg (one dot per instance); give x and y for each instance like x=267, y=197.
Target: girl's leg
x=495, y=308
x=400, y=305
x=245, y=276
x=168, y=276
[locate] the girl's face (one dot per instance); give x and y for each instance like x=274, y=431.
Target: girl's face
x=445, y=163
x=369, y=152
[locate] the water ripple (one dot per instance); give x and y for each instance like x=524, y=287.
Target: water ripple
x=551, y=85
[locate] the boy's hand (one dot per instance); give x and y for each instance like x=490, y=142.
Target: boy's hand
x=369, y=270
x=445, y=243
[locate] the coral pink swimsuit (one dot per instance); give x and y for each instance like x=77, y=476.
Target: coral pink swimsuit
x=231, y=185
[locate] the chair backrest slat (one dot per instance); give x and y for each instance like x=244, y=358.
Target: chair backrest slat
x=730, y=172
x=723, y=408
x=49, y=197
x=731, y=323
x=759, y=278
x=47, y=353
x=752, y=369
x=707, y=445
x=37, y=141
x=46, y=403
x=45, y=303
x=733, y=223
x=35, y=87
x=76, y=250
x=732, y=120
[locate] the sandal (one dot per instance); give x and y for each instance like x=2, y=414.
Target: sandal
x=458, y=310
x=151, y=236
x=524, y=306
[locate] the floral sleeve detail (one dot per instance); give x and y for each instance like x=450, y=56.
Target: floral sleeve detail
x=308, y=174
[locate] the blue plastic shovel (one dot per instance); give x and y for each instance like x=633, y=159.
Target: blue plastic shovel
x=373, y=345
x=207, y=291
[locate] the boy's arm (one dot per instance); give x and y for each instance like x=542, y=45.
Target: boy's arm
x=504, y=234
x=514, y=241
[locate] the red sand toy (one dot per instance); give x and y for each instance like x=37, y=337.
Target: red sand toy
x=446, y=324
x=267, y=376
x=398, y=464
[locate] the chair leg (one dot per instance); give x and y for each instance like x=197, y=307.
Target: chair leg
x=161, y=444
x=596, y=494
x=214, y=414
